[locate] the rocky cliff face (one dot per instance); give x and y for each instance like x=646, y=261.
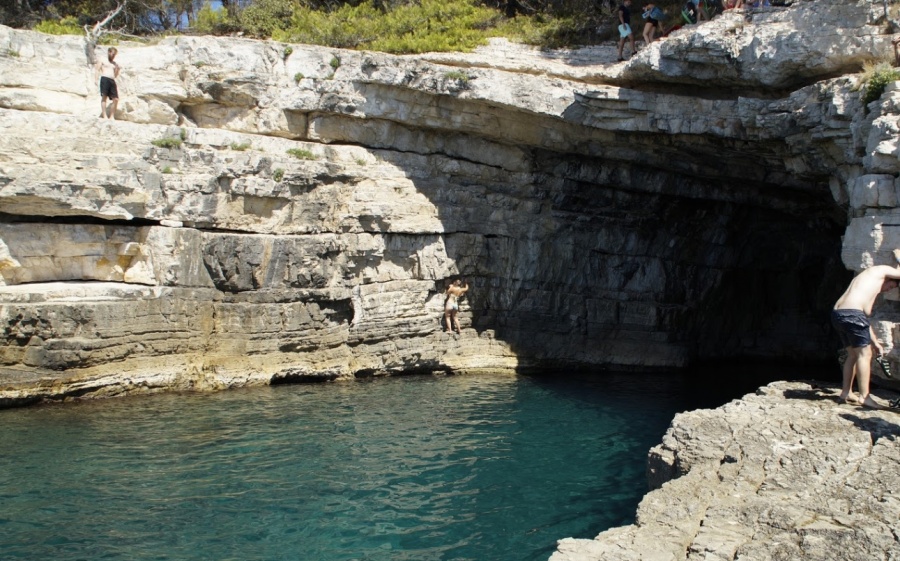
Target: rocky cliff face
x=264, y=212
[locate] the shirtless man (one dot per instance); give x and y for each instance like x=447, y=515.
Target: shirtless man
x=451, y=305
x=108, y=71
x=850, y=317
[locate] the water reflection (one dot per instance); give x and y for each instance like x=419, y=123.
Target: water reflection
x=420, y=468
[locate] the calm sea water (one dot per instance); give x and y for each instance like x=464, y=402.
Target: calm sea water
x=481, y=468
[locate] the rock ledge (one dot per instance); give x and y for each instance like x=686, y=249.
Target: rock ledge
x=785, y=473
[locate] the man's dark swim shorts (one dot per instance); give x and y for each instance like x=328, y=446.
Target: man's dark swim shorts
x=108, y=88
x=852, y=327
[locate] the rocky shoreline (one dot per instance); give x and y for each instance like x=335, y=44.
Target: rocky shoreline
x=783, y=474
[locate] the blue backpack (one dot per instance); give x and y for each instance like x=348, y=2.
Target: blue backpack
x=656, y=13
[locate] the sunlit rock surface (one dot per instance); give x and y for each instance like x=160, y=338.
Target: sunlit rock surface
x=786, y=473
x=296, y=211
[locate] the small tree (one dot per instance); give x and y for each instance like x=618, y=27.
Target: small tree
x=93, y=34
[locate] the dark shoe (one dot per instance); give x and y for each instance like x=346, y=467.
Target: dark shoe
x=885, y=367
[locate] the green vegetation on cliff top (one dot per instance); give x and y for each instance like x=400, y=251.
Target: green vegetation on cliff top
x=393, y=26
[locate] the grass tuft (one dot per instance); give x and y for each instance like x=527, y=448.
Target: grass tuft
x=876, y=78
x=302, y=154
x=167, y=142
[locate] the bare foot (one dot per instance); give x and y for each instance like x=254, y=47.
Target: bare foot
x=850, y=399
x=870, y=403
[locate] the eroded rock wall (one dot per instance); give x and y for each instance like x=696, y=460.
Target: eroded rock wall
x=298, y=212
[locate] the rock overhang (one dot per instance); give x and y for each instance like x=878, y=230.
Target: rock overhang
x=600, y=217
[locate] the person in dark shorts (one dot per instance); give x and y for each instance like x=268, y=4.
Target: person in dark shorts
x=625, y=31
x=108, y=70
x=654, y=16
x=850, y=318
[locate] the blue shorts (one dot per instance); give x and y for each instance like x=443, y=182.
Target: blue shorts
x=852, y=327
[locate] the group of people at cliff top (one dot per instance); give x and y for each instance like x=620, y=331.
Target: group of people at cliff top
x=850, y=318
x=694, y=11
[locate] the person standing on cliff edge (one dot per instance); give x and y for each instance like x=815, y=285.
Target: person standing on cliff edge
x=624, y=27
x=850, y=317
x=108, y=70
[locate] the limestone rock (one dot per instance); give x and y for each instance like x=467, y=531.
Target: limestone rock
x=786, y=473
x=311, y=216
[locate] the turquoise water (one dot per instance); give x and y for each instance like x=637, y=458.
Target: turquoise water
x=481, y=468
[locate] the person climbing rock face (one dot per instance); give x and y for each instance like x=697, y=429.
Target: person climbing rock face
x=451, y=304
x=108, y=70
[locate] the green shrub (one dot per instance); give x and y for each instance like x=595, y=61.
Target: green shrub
x=278, y=175
x=167, y=142
x=167, y=169
x=428, y=25
x=212, y=22
x=65, y=26
x=877, y=78
x=543, y=31
x=335, y=62
x=298, y=76
x=240, y=147
x=288, y=51
x=301, y=154
x=183, y=134
x=457, y=75
x=416, y=26
x=263, y=17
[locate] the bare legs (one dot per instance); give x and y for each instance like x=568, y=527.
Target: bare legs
x=858, y=366
x=622, y=46
x=451, y=321
x=649, y=29
x=111, y=108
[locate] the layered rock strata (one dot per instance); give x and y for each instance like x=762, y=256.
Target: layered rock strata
x=267, y=212
x=786, y=473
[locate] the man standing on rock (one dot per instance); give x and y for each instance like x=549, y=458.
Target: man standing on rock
x=108, y=70
x=850, y=317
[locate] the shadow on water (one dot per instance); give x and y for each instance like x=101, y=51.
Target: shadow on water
x=701, y=386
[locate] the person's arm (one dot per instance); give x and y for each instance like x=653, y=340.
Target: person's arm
x=878, y=348
x=622, y=20
x=116, y=72
x=893, y=273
